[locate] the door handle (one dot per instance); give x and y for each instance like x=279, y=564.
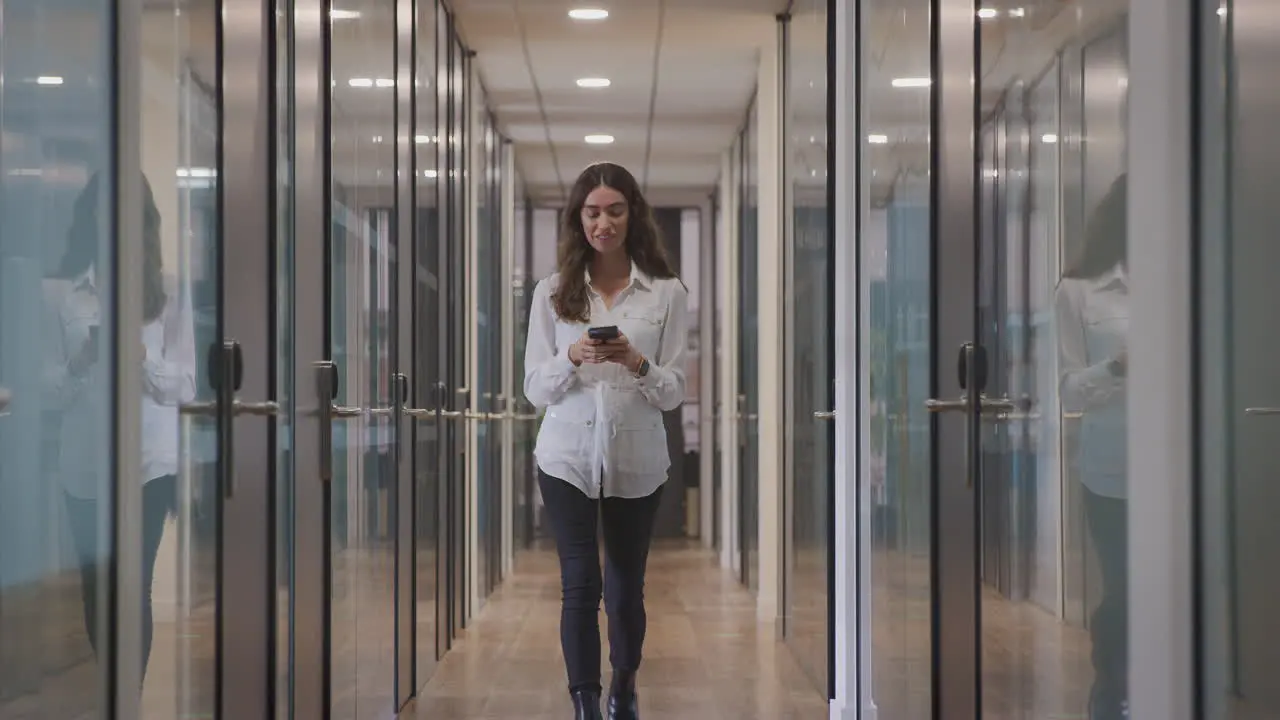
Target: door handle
x=1249, y=411
x=327, y=392
x=419, y=413
x=238, y=407
x=961, y=404
x=227, y=366
x=825, y=415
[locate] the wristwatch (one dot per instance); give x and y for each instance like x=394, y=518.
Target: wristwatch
x=643, y=369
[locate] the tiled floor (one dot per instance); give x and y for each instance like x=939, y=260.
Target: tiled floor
x=706, y=657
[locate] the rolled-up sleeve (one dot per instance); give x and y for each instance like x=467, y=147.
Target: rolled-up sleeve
x=1082, y=385
x=548, y=373
x=664, y=385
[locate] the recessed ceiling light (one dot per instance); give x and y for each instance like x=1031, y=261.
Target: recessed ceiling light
x=1018, y=12
x=430, y=173
x=987, y=13
x=48, y=80
x=912, y=82
x=385, y=82
x=344, y=14
x=588, y=14
x=423, y=139
x=1048, y=138
x=598, y=139
x=594, y=82
x=360, y=82
x=878, y=139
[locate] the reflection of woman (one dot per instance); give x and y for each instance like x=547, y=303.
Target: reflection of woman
x=80, y=385
x=602, y=448
x=1093, y=324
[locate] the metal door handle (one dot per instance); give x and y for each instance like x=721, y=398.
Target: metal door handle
x=238, y=407
x=419, y=413
x=825, y=414
x=452, y=414
x=326, y=391
x=961, y=404
x=941, y=406
x=527, y=417
x=1262, y=411
x=382, y=412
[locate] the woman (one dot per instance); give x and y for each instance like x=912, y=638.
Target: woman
x=1093, y=325
x=79, y=383
x=602, y=448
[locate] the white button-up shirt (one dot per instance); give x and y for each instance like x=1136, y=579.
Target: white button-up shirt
x=168, y=380
x=602, y=431
x=1093, y=326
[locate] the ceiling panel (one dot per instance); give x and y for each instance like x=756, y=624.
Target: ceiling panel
x=682, y=75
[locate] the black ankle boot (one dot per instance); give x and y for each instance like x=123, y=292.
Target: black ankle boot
x=586, y=705
x=624, y=708
x=623, y=704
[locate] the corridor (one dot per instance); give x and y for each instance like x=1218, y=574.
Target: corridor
x=706, y=658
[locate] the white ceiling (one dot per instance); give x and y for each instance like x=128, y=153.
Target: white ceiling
x=683, y=73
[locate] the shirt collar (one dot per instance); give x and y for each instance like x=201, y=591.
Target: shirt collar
x=639, y=278
x=1115, y=278
x=87, y=280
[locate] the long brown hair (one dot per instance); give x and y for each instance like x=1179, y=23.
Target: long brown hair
x=85, y=235
x=643, y=242
x=1106, y=236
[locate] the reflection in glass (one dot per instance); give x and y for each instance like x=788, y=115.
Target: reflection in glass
x=1053, y=307
x=180, y=245
x=360, y=321
x=811, y=338
x=896, y=261
x=56, y=342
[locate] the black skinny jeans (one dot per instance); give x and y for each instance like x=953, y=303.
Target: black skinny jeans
x=1109, y=626
x=627, y=526
x=159, y=498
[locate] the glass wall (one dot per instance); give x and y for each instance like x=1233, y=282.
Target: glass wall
x=362, y=107
x=896, y=263
x=425, y=374
x=57, y=341
x=810, y=336
x=749, y=339
x=1236, y=382
x=1053, y=308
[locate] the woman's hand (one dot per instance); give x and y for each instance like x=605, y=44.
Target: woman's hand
x=590, y=351
x=624, y=354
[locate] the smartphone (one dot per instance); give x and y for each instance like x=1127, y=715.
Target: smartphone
x=603, y=333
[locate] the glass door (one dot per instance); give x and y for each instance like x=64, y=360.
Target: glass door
x=1029, y=373
x=810, y=335
x=1238, y=388
x=361, y=327
x=422, y=280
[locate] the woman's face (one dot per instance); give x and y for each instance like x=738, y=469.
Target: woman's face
x=604, y=219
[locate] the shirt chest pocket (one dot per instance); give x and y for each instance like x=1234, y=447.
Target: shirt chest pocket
x=643, y=327
x=1106, y=330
